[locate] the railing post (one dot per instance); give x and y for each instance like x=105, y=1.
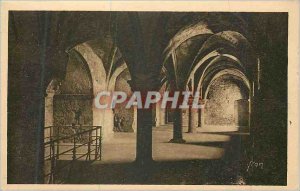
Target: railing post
x=74, y=148
x=89, y=145
x=96, y=147
x=52, y=158
x=100, y=144
x=54, y=149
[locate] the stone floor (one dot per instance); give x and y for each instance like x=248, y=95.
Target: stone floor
x=198, y=146
x=205, y=158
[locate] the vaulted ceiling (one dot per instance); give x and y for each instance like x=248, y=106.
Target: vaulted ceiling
x=156, y=46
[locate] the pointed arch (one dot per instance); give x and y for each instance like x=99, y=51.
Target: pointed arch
x=114, y=76
x=200, y=28
x=231, y=72
x=218, y=61
x=95, y=64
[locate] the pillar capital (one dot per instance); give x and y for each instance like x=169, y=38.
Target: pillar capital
x=147, y=83
x=50, y=94
x=190, y=100
x=202, y=101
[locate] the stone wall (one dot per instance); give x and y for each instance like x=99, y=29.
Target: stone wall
x=241, y=108
x=75, y=94
x=219, y=109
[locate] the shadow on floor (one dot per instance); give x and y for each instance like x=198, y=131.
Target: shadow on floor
x=219, y=144
x=224, y=171
x=246, y=133
x=167, y=172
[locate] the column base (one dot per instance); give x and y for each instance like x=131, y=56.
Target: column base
x=192, y=131
x=178, y=140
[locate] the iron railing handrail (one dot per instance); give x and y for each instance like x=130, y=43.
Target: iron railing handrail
x=54, y=143
x=76, y=147
x=71, y=136
x=47, y=127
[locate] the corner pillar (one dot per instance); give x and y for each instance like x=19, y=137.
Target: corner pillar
x=193, y=117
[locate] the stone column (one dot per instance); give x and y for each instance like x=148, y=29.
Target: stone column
x=144, y=136
x=162, y=116
x=202, y=117
x=144, y=125
x=199, y=117
x=201, y=113
x=166, y=116
x=177, y=127
x=48, y=113
x=157, y=114
x=134, y=123
x=105, y=119
x=47, y=131
x=192, y=117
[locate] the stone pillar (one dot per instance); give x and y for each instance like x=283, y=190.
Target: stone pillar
x=199, y=117
x=166, y=116
x=144, y=125
x=192, y=117
x=105, y=119
x=177, y=127
x=201, y=114
x=162, y=116
x=47, y=131
x=107, y=124
x=134, y=123
x=48, y=113
x=144, y=136
x=98, y=115
x=157, y=114
x=202, y=118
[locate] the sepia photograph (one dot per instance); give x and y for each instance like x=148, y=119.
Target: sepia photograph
x=149, y=96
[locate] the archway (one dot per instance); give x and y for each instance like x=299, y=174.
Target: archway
x=66, y=97
x=226, y=105
x=68, y=108
x=75, y=95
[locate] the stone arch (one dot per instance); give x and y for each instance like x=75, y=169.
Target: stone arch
x=231, y=38
x=160, y=113
x=63, y=95
x=51, y=91
x=75, y=93
x=218, y=62
x=95, y=64
x=190, y=31
x=101, y=117
x=186, y=27
x=233, y=72
x=236, y=90
x=230, y=42
x=116, y=73
x=214, y=58
x=103, y=80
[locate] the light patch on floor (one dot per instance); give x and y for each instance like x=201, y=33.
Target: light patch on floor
x=122, y=148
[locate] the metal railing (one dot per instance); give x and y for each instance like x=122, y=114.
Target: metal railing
x=89, y=139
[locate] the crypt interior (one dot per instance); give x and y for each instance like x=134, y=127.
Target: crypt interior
x=59, y=61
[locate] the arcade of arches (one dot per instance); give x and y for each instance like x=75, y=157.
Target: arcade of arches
x=236, y=63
